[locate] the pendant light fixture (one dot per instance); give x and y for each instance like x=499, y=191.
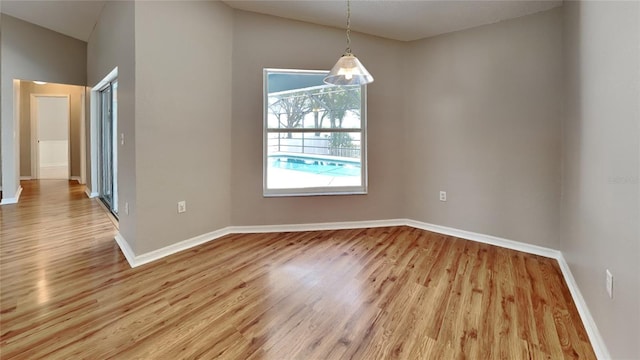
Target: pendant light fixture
x=348, y=70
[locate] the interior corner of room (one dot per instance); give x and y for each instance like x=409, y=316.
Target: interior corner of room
x=529, y=126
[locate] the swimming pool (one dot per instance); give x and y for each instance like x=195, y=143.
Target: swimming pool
x=315, y=165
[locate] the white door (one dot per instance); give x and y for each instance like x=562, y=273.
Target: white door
x=52, y=114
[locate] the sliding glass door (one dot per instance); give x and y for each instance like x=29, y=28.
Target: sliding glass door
x=107, y=156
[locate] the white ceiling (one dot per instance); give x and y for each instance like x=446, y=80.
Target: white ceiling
x=394, y=19
x=399, y=19
x=72, y=18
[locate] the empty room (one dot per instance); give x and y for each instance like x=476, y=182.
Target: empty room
x=331, y=179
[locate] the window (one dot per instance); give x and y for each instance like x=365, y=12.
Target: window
x=314, y=135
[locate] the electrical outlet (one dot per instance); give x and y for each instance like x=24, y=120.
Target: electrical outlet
x=182, y=206
x=609, y=284
x=121, y=138
x=443, y=196
x=126, y=208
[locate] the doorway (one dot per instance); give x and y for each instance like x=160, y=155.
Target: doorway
x=50, y=116
x=108, y=146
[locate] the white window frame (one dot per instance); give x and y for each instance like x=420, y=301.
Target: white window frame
x=314, y=191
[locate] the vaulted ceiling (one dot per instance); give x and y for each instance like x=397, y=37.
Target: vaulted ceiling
x=394, y=19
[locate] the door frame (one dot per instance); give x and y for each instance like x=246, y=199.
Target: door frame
x=83, y=136
x=35, y=156
x=94, y=113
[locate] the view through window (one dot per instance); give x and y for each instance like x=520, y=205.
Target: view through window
x=315, y=135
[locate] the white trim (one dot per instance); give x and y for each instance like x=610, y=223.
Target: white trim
x=89, y=193
x=13, y=200
x=115, y=145
x=76, y=178
x=145, y=258
x=83, y=137
x=137, y=260
x=592, y=330
x=316, y=226
x=33, y=110
x=35, y=132
x=25, y=178
x=93, y=138
x=486, y=239
x=178, y=247
x=463, y=234
x=597, y=342
x=94, y=111
x=315, y=190
x=126, y=250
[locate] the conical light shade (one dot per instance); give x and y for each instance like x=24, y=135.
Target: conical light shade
x=348, y=71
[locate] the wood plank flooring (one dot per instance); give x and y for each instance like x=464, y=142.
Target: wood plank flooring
x=66, y=292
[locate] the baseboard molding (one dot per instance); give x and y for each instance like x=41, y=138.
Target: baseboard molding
x=315, y=226
x=137, y=260
x=72, y=178
x=126, y=249
x=599, y=347
x=12, y=200
x=592, y=330
x=178, y=247
x=90, y=194
x=486, y=239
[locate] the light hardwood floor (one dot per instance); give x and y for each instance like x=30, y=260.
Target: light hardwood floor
x=68, y=293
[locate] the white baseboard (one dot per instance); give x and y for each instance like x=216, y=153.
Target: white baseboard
x=72, y=178
x=595, y=338
x=315, y=227
x=126, y=250
x=89, y=193
x=177, y=247
x=12, y=200
x=137, y=260
x=486, y=239
x=599, y=347
x=594, y=335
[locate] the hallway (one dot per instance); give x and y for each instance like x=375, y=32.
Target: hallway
x=52, y=241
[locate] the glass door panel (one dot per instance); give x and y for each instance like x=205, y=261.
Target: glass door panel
x=106, y=148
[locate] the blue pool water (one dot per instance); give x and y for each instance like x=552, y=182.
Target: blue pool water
x=315, y=165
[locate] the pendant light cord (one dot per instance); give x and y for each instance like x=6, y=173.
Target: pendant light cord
x=348, y=51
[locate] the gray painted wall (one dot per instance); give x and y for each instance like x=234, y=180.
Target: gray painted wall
x=483, y=119
x=478, y=113
x=183, y=119
x=601, y=157
x=30, y=52
x=1, y=99
x=261, y=41
x=112, y=45
x=75, y=108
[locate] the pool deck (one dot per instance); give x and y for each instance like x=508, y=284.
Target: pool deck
x=339, y=159
x=292, y=179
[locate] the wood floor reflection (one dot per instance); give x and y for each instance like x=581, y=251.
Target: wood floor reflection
x=66, y=292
